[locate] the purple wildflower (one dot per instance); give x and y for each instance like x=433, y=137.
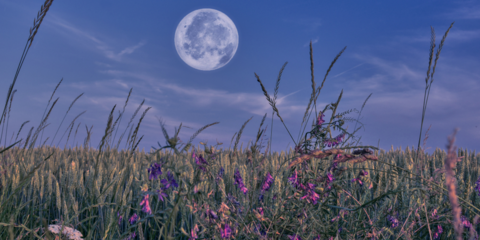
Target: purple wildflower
x=133, y=219
x=132, y=236
x=294, y=179
x=221, y=172
x=200, y=161
x=211, y=214
x=239, y=182
x=465, y=222
x=120, y=218
x=260, y=210
x=329, y=179
x=437, y=234
x=393, y=220
x=311, y=196
x=294, y=237
x=194, y=233
x=226, y=232
x=335, y=164
x=434, y=214
x=334, y=142
x=267, y=183
x=170, y=182
x=154, y=171
x=320, y=119
x=146, y=205
x=161, y=194
x=359, y=181
x=360, y=174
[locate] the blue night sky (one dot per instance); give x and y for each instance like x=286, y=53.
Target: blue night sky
x=104, y=48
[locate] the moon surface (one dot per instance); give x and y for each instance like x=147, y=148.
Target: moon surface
x=206, y=39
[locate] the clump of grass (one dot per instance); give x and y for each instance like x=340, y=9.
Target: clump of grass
x=324, y=188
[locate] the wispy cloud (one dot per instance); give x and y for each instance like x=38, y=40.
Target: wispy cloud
x=395, y=70
x=165, y=90
x=454, y=35
x=471, y=12
x=348, y=70
x=89, y=38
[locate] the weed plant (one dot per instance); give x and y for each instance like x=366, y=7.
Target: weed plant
x=324, y=188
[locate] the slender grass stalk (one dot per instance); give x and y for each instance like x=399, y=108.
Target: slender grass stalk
x=429, y=86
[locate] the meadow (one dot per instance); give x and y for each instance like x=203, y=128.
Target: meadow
x=324, y=188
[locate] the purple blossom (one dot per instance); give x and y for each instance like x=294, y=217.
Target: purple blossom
x=329, y=178
x=320, y=118
x=211, y=214
x=170, y=182
x=294, y=237
x=194, y=233
x=393, y=220
x=465, y=222
x=260, y=210
x=437, y=234
x=146, y=204
x=267, y=183
x=226, y=232
x=120, y=218
x=220, y=174
x=294, y=179
x=154, y=171
x=334, y=142
x=434, y=214
x=133, y=219
x=161, y=194
x=335, y=164
x=132, y=236
x=239, y=182
x=200, y=161
x=360, y=174
x=359, y=181
x=311, y=196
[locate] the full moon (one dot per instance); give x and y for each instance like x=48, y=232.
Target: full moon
x=206, y=39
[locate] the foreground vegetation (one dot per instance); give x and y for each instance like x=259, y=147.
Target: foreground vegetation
x=324, y=188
